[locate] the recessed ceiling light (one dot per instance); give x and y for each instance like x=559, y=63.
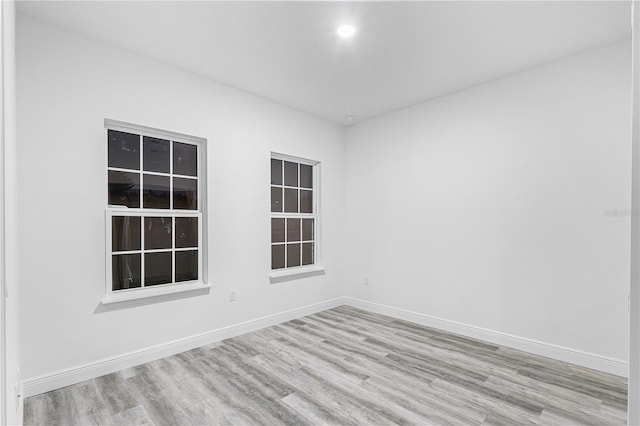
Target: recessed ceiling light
x=346, y=31
x=351, y=117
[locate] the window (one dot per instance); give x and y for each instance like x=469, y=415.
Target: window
x=294, y=218
x=155, y=203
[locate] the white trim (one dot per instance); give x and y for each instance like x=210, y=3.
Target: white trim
x=282, y=274
x=317, y=208
x=3, y=251
x=120, y=169
x=47, y=382
x=131, y=211
x=586, y=359
x=633, y=412
x=277, y=215
x=292, y=159
x=146, y=292
x=151, y=132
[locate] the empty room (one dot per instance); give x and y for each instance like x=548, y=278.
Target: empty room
x=320, y=213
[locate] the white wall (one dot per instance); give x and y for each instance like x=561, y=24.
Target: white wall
x=13, y=414
x=487, y=206
x=67, y=85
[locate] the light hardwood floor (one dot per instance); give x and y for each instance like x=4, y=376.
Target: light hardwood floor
x=342, y=366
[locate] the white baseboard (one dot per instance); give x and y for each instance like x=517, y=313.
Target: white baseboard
x=70, y=376
x=561, y=353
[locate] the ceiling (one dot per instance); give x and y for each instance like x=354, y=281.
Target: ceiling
x=403, y=52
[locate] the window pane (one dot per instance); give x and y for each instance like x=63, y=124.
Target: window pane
x=185, y=159
x=124, y=189
x=277, y=230
x=157, y=268
x=306, y=201
x=306, y=176
x=307, y=253
x=276, y=172
x=185, y=194
x=293, y=229
x=307, y=229
x=291, y=200
x=125, y=271
x=290, y=173
x=293, y=255
x=156, y=155
x=186, y=265
x=277, y=256
x=157, y=233
x=276, y=199
x=124, y=150
x=155, y=192
x=186, y=232
x=125, y=233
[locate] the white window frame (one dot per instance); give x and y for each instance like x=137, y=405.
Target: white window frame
x=111, y=211
x=278, y=275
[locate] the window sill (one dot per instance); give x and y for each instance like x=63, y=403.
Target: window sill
x=152, y=292
x=295, y=273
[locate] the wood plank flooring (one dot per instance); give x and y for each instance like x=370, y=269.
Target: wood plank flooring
x=343, y=366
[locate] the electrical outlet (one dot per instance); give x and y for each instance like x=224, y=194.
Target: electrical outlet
x=232, y=295
x=366, y=280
